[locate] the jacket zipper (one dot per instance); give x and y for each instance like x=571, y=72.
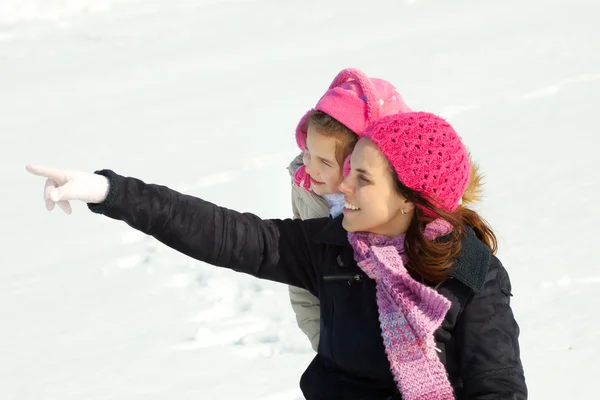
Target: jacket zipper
x=349, y=278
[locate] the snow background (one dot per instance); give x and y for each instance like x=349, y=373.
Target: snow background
x=204, y=96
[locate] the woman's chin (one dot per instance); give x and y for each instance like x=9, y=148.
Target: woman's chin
x=348, y=225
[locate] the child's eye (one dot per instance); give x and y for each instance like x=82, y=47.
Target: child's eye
x=363, y=179
x=325, y=163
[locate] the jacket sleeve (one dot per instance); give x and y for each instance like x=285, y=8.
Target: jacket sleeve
x=487, y=335
x=308, y=314
x=276, y=250
x=295, y=209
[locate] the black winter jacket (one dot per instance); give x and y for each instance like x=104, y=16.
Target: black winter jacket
x=478, y=340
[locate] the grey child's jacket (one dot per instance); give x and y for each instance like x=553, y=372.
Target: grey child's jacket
x=306, y=205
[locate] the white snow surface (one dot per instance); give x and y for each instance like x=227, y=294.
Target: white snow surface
x=204, y=96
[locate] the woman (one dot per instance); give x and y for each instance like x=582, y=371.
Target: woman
x=414, y=305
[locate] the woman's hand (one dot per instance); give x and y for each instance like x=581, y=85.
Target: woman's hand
x=62, y=186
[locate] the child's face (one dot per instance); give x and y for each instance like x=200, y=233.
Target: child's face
x=321, y=162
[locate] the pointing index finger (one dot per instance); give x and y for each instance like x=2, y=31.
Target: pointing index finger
x=52, y=173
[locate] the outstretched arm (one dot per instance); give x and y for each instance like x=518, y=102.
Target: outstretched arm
x=277, y=250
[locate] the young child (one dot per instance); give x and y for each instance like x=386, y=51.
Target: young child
x=326, y=135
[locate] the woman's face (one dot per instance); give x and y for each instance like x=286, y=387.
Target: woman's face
x=372, y=201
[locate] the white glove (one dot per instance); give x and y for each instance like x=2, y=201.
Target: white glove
x=62, y=186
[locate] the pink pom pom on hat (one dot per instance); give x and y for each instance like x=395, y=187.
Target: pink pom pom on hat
x=355, y=100
x=426, y=153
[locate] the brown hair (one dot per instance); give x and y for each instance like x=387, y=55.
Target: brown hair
x=432, y=261
x=345, y=138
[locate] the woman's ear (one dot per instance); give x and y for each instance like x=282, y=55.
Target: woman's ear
x=408, y=206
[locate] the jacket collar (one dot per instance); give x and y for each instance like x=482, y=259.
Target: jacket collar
x=333, y=233
x=473, y=262
x=470, y=268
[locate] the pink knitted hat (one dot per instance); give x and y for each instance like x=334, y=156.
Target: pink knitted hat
x=355, y=100
x=426, y=153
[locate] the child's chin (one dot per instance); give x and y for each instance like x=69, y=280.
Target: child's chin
x=320, y=189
